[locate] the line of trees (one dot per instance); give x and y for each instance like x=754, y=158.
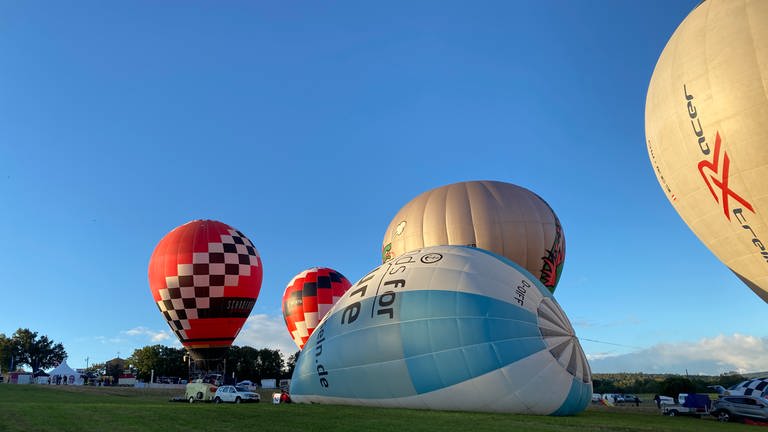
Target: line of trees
x=39, y=352
x=670, y=385
x=27, y=348
x=245, y=362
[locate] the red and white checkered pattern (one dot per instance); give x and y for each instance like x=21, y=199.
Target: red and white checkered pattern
x=308, y=298
x=188, y=295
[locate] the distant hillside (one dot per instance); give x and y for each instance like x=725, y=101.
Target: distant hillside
x=640, y=375
x=655, y=383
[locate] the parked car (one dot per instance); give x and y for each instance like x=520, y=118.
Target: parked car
x=596, y=397
x=234, y=394
x=628, y=398
x=247, y=384
x=731, y=408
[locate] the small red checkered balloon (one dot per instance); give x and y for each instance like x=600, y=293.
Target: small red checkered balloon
x=308, y=297
x=205, y=277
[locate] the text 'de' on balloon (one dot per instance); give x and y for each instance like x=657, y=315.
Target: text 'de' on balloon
x=446, y=328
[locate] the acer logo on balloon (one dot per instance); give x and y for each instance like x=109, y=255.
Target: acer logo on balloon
x=713, y=173
x=722, y=182
x=706, y=131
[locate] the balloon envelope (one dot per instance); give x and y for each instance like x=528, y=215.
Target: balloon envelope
x=503, y=218
x=308, y=297
x=205, y=277
x=706, y=123
x=446, y=328
x=752, y=387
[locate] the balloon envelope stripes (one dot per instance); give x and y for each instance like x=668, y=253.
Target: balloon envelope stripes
x=503, y=218
x=446, y=328
x=308, y=297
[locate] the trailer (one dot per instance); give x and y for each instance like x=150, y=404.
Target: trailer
x=693, y=404
x=199, y=391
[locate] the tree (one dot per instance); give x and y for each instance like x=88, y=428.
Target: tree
x=37, y=353
x=291, y=364
x=145, y=360
x=675, y=385
x=165, y=361
x=270, y=363
x=172, y=363
x=255, y=364
x=5, y=353
x=114, y=368
x=730, y=379
x=244, y=362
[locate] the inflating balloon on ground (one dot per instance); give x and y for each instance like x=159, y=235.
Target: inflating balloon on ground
x=446, y=328
x=706, y=125
x=503, y=218
x=308, y=297
x=205, y=277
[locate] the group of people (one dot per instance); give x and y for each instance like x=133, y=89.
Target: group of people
x=61, y=379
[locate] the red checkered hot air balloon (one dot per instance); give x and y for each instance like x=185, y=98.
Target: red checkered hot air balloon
x=308, y=297
x=205, y=277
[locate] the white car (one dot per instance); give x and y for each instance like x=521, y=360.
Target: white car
x=234, y=394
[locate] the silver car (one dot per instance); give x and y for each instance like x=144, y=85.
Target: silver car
x=730, y=408
x=234, y=394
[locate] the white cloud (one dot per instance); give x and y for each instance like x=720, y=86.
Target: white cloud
x=105, y=340
x=710, y=356
x=264, y=331
x=156, y=336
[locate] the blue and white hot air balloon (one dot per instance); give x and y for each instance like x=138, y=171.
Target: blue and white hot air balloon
x=446, y=328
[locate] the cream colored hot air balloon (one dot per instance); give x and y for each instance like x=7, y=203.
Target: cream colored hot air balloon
x=706, y=124
x=503, y=218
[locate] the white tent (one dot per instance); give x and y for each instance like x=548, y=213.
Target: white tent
x=63, y=374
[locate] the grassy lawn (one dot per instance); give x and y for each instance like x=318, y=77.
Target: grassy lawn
x=60, y=408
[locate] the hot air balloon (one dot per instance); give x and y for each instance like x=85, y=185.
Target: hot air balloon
x=503, y=218
x=751, y=387
x=706, y=125
x=446, y=328
x=308, y=297
x=205, y=277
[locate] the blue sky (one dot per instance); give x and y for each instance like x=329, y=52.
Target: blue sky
x=308, y=125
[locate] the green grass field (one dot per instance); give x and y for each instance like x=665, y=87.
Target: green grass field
x=60, y=408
